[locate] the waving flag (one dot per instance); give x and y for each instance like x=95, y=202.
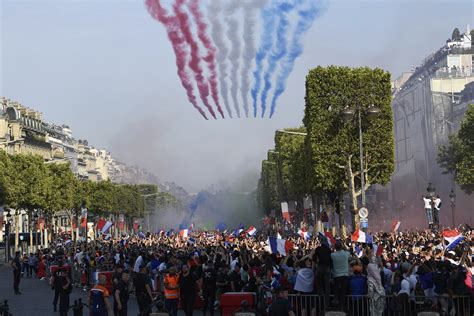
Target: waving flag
x=106, y=226
x=280, y=246
x=453, y=237
x=329, y=238
x=360, y=236
x=251, y=231
x=395, y=225
x=304, y=234
x=358, y=251
x=183, y=233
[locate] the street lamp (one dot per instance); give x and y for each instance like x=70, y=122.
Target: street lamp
x=452, y=198
x=349, y=113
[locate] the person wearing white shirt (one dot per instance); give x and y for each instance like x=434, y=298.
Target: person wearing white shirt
x=428, y=210
x=138, y=263
x=436, y=209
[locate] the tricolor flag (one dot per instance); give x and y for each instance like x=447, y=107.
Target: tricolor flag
x=378, y=250
x=304, y=234
x=453, y=237
x=358, y=251
x=183, y=233
x=285, y=212
x=395, y=225
x=329, y=237
x=106, y=226
x=251, y=231
x=360, y=236
x=84, y=218
x=280, y=246
x=191, y=240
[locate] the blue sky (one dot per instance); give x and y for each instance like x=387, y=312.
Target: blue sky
x=106, y=68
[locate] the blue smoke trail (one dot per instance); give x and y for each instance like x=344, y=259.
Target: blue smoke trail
x=266, y=43
x=279, y=52
x=306, y=19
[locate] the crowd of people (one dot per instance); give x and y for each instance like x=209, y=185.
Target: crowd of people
x=168, y=271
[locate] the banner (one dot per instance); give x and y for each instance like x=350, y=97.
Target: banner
x=284, y=211
x=121, y=221
x=40, y=223
x=135, y=224
x=84, y=218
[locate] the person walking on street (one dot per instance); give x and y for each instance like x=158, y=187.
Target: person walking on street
x=99, y=304
x=143, y=292
x=56, y=284
x=65, y=289
x=16, y=265
x=171, y=283
x=121, y=294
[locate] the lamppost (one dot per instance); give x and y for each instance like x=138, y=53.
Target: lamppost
x=8, y=224
x=431, y=193
x=452, y=198
x=348, y=113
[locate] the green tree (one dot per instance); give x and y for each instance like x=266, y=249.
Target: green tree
x=456, y=34
x=333, y=144
x=290, y=164
x=457, y=157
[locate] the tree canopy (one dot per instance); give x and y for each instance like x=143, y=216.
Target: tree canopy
x=457, y=157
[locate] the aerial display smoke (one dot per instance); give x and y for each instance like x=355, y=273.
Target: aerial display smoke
x=221, y=57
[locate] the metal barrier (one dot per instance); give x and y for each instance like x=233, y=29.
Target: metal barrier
x=400, y=305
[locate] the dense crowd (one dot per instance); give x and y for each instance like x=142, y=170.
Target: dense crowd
x=165, y=271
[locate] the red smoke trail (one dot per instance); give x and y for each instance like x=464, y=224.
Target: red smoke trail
x=211, y=50
x=195, y=58
x=177, y=41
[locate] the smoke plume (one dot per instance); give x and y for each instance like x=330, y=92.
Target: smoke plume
x=250, y=49
x=266, y=42
x=194, y=64
x=234, y=57
x=279, y=52
x=178, y=43
x=211, y=51
x=306, y=18
x=215, y=10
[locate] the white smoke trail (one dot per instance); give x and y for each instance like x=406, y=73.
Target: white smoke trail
x=234, y=57
x=215, y=10
x=250, y=11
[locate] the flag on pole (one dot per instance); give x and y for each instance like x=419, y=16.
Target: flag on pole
x=395, y=225
x=280, y=246
x=304, y=234
x=453, y=237
x=183, y=233
x=106, y=226
x=360, y=236
x=251, y=231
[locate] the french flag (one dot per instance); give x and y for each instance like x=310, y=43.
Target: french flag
x=183, y=233
x=251, y=231
x=329, y=237
x=396, y=225
x=100, y=224
x=378, y=250
x=280, y=246
x=106, y=226
x=360, y=236
x=304, y=234
x=453, y=237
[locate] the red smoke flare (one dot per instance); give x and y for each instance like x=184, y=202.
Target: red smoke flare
x=194, y=64
x=172, y=27
x=211, y=50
